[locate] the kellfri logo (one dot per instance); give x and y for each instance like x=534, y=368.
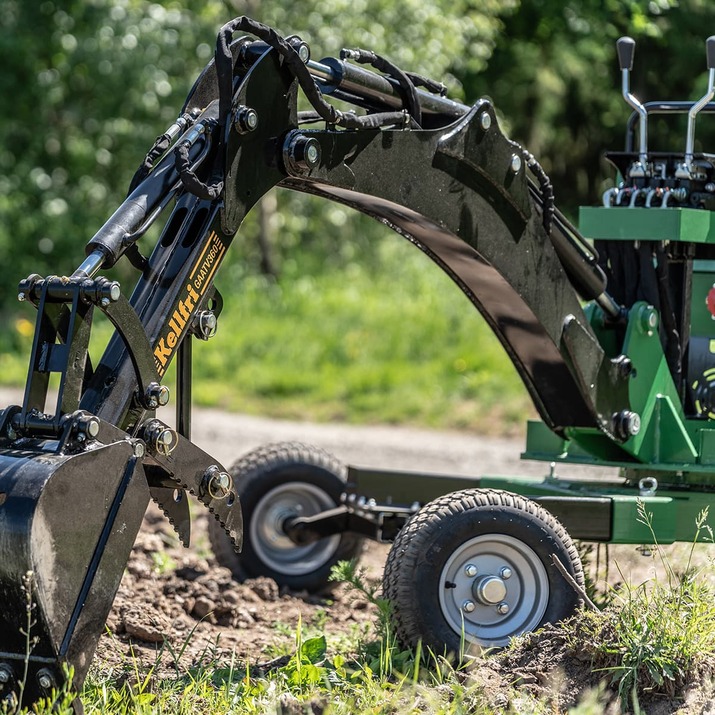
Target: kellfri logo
x=199, y=280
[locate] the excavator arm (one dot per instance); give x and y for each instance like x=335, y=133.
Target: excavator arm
x=441, y=174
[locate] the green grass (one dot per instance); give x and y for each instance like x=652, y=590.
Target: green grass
x=655, y=636
x=396, y=343
x=393, y=341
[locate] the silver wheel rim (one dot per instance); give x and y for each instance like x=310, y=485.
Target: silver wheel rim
x=269, y=539
x=486, y=602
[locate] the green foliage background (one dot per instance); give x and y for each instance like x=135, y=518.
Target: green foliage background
x=86, y=85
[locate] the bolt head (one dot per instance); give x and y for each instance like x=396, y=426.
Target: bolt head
x=44, y=681
x=485, y=121
x=503, y=608
x=468, y=606
x=115, y=291
x=505, y=573
x=648, y=319
x=633, y=423
x=92, y=427
x=515, y=163
x=470, y=570
x=251, y=119
x=163, y=396
x=301, y=153
x=21, y=297
x=5, y=675
x=245, y=120
x=139, y=449
x=312, y=154
x=105, y=302
x=304, y=53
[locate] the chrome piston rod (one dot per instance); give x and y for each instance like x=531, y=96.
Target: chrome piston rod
x=334, y=74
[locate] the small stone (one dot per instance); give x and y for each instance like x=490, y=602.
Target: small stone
x=203, y=607
x=149, y=627
x=264, y=587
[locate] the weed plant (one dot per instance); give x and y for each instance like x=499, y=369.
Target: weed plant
x=656, y=636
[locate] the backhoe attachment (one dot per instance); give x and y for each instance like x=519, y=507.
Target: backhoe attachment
x=76, y=476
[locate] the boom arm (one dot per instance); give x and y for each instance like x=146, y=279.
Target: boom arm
x=439, y=173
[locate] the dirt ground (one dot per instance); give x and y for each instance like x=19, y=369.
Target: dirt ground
x=177, y=607
x=182, y=602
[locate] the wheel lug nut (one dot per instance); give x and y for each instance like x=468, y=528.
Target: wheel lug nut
x=505, y=573
x=470, y=570
x=468, y=606
x=503, y=608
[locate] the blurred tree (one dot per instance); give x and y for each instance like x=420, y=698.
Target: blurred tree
x=88, y=84
x=87, y=87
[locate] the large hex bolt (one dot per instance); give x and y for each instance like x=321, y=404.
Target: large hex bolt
x=626, y=424
x=468, y=606
x=156, y=395
x=624, y=366
x=301, y=153
x=245, y=120
x=217, y=483
x=648, y=319
x=45, y=680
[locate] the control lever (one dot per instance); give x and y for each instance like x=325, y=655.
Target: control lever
x=626, y=47
x=699, y=105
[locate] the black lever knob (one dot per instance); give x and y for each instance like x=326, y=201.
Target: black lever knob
x=710, y=51
x=626, y=47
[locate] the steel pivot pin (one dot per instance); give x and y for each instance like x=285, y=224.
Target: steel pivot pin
x=217, y=483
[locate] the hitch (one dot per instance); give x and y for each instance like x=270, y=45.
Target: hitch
x=380, y=522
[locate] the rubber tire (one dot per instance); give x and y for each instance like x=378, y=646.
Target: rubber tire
x=258, y=473
x=424, y=545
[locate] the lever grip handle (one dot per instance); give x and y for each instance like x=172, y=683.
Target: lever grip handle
x=626, y=47
x=710, y=51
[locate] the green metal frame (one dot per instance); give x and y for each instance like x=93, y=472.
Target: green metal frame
x=602, y=511
x=647, y=224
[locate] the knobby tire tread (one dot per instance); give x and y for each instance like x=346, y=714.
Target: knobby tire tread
x=255, y=465
x=418, y=534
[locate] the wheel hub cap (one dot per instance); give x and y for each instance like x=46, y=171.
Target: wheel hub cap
x=493, y=587
x=489, y=590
